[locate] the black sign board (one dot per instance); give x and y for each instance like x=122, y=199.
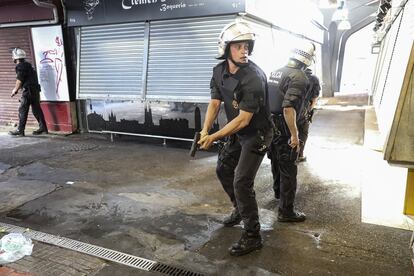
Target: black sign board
x=93, y=12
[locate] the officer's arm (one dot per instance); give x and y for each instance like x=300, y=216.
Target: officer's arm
x=211, y=114
x=315, y=93
x=16, y=88
x=289, y=113
x=293, y=98
x=238, y=123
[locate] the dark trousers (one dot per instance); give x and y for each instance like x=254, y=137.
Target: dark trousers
x=284, y=170
x=303, y=129
x=237, y=165
x=26, y=101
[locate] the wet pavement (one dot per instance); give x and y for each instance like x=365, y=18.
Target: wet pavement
x=153, y=201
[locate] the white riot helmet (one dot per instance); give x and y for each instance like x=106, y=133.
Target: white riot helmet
x=304, y=52
x=18, y=53
x=235, y=32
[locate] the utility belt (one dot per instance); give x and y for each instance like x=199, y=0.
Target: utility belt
x=280, y=126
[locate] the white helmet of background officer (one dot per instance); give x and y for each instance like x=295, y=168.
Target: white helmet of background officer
x=18, y=53
x=304, y=52
x=235, y=32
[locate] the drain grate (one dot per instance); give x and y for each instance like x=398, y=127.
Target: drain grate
x=100, y=252
x=170, y=270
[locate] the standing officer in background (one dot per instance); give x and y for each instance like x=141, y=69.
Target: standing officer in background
x=26, y=79
x=287, y=88
x=305, y=118
x=242, y=86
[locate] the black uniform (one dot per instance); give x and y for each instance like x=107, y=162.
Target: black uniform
x=243, y=152
x=30, y=95
x=287, y=88
x=312, y=92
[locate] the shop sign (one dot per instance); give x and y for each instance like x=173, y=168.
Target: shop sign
x=92, y=12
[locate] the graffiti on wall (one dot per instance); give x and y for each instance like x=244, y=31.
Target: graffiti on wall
x=50, y=63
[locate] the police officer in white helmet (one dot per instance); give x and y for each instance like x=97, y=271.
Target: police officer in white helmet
x=242, y=86
x=26, y=80
x=287, y=88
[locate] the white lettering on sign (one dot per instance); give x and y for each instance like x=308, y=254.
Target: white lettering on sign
x=165, y=7
x=128, y=4
x=236, y=4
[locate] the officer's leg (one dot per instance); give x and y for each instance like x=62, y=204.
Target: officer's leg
x=38, y=113
x=23, y=112
x=273, y=156
x=288, y=185
x=226, y=164
x=252, y=154
x=303, y=129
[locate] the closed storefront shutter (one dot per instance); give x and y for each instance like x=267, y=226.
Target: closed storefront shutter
x=9, y=39
x=182, y=56
x=111, y=61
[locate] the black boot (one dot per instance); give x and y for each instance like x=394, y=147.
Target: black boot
x=247, y=243
x=233, y=219
x=40, y=131
x=16, y=132
x=294, y=217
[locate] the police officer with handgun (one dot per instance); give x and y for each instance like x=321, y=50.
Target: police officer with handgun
x=242, y=86
x=287, y=88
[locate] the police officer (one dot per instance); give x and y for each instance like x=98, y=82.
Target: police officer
x=306, y=115
x=26, y=79
x=242, y=86
x=287, y=88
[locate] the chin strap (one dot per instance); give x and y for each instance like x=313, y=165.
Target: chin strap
x=238, y=64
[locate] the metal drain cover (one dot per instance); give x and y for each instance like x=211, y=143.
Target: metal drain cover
x=100, y=252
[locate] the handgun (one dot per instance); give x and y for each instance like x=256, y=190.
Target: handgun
x=194, y=145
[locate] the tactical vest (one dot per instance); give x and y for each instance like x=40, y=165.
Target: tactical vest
x=279, y=82
x=231, y=93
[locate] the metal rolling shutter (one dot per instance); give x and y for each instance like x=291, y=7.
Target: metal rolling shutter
x=182, y=56
x=111, y=61
x=10, y=38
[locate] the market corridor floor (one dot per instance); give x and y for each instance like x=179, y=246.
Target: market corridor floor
x=155, y=202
